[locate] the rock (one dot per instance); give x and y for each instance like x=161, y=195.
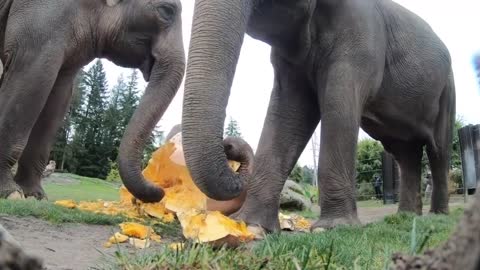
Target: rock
x=49, y=169
x=12, y=256
x=292, y=197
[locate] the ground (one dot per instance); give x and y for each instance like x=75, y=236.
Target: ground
x=80, y=246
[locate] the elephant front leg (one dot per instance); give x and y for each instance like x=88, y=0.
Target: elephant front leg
x=336, y=170
x=342, y=95
x=27, y=82
x=292, y=117
x=35, y=156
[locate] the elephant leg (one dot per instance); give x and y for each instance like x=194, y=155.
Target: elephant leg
x=336, y=176
x=25, y=88
x=408, y=155
x=292, y=116
x=343, y=88
x=438, y=151
x=35, y=155
x=439, y=167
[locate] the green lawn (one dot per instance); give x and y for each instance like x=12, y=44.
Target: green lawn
x=81, y=189
x=368, y=247
x=53, y=213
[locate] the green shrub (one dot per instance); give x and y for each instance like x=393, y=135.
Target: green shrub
x=455, y=176
x=114, y=174
x=365, y=191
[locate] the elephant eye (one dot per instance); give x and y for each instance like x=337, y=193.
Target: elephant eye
x=167, y=12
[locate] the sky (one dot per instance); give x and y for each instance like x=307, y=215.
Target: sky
x=455, y=22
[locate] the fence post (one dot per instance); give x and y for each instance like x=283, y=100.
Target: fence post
x=469, y=137
x=390, y=179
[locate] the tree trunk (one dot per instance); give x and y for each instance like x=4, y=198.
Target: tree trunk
x=461, y=251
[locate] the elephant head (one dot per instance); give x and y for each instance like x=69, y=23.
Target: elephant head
x=145, y=34
x=218, y=30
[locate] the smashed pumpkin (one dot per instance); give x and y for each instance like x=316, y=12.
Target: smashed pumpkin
x=135, y=230
x=294, y=223
x=118, y=238
x=167, y=169
x=136, y=234
x=210, y=226
x=66, y=203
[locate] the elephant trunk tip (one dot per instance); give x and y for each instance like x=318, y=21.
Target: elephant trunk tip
x=138, y=186
x=147, y=193
x=224, y=187
x=151, y=195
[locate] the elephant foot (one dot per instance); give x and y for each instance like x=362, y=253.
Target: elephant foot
x=10, y=190
x=443, y=210
x=329, y=223
x=261, y=216
x=407, y=209
x=35, y=190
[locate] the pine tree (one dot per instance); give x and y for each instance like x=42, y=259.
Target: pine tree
x=233, y=129
x=153, y=143
x=128, y=100
x=62, y=150
x=113, y=131
x=93, y=160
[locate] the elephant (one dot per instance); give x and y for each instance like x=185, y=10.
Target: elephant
x=44, y=44
x=352, y=64
x=236, y=149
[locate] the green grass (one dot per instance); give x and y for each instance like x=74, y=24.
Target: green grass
x=82, y=189
x=368, y=247
x=55, y=214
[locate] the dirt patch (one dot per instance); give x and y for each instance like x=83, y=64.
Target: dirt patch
x=65, y=246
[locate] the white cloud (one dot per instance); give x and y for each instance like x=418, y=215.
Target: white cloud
x=454, y=21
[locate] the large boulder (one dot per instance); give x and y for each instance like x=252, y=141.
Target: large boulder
x=49, y=169
x=12, y=256
x=292, y=197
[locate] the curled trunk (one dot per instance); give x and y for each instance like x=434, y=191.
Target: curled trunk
x=218, y=30
x=238, y=150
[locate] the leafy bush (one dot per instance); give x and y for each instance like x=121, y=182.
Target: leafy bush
x=369, y=160
x=310, y=192
x=114, y=174
x=365, y=191
x=455, y=177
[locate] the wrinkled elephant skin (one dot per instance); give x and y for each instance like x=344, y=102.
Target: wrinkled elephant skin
x=352, y=64
x=44, y=44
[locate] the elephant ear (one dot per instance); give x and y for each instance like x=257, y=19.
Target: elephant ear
x=112, y=3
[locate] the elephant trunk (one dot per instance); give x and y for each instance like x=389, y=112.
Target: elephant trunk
x=165, y=79
x=218, y=30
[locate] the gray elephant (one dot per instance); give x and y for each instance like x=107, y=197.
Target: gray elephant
x=350, y=63
x=353, y=64
x=43, y=45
